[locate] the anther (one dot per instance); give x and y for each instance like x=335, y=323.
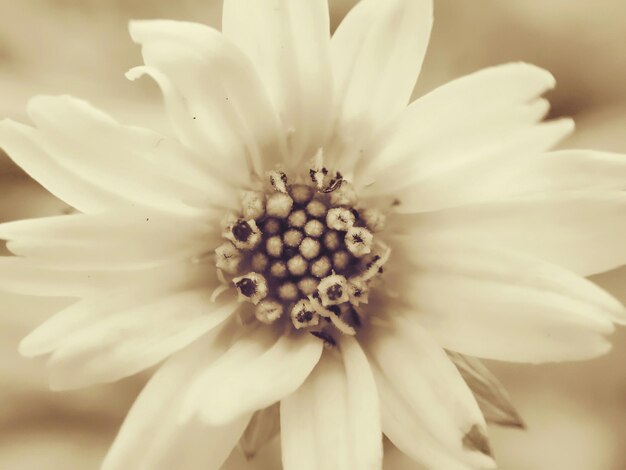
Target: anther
x=252, y=204
x=344, y=195
x=333, y=290
x=252, y=287
x=297, y=265
x=279, y=269
x=321, y=267
x=279, y=205
x=358, y=241
x=340, y=218
x=314, y=228
x=310, y=248
x=316, y=208
x=245, y=235
x=288, y=291
x=374, y=219
x=358, y=291
x=278, y=180
x=303, y=315
x=259, y=261
x=268, y=311
x=332, y=240
x=308, y=285
x=274, y=246
x=301, y=193
x=341, y=260
x=297, y=219
x=292, y=238
x=228, y=258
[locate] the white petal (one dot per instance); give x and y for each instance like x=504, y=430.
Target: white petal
x=229, y=112
x=23, y=145
x=581, y=231
x=333, y=419
x=152, y=436
x=24, y=276
x=459, y=117
x=260, y=368
x=496, y=304
x=52, y=333
x=427, y=408
x=518, y=174
x=94, y=146
x=289, y=43
x=429, y=162
x=377, y=54
x=126, y=342
x=110, y=240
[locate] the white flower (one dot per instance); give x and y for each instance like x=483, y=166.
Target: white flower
x=300, y=173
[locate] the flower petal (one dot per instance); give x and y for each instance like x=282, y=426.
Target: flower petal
x=124, y=343
x=427, y=408
x=498, y=177
x=332, y=420
x=25, y=276
x=289, y=43
x=260, y=368
x=228, y=110
x=581, y=231
x=377, y=54
x=496, y=304
x=459, y=116
x=110, y=240
x=94, y=146
x=152, y=436
x=23, y=144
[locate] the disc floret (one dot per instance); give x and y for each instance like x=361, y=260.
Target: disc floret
x=303, y=253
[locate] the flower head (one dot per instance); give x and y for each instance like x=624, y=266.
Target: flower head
x=309, y=244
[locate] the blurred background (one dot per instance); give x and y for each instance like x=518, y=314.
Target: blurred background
x=576, y=413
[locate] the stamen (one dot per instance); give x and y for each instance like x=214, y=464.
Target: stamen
x=252, y=204
x=344, y=195
x=292, y=238
x=310, y=248
x=245, y=235
x=271, y=227
x=303, y=315
x=297, y=265
x=279, y=269
x=288, y=291
x=274, y=246
x=332, y=240
x=278, y=180
x=316, y=208
x=340, y=218
x=259, y=262
x=358, y=291
x=314, y=228
x=358, y=240
x=321, y=267
x=268, y=311
x=374, y=219
x=252, y=287
x=228, y=258
x=308, y=285
x=341, y=260
x=301, y=193
x=297, y=219
x=279, y=205
x=333, y=290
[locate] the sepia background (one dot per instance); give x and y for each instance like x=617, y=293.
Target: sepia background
x=576, y=413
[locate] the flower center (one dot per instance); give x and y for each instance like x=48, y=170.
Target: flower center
x=303, y=253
